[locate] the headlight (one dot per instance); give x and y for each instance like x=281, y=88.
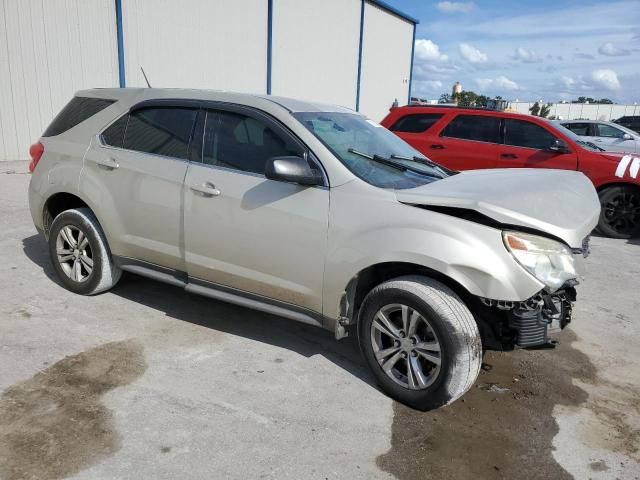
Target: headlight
x=549, y=261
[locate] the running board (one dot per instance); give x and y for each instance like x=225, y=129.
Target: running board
x=218, y=292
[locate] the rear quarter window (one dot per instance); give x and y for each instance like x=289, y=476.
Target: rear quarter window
x=75, y=112
x=415, y=123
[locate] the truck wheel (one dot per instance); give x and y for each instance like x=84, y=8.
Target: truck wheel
x=420, y=341
x=620, y=213
x=79, y=252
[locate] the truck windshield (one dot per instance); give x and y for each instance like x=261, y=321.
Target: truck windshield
x=370, y=151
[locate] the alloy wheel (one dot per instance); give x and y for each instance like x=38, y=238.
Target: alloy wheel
x=406, y=346
x=622, y=212
x=74, y=254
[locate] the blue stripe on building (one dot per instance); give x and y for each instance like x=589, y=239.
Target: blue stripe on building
x=121, y=75
x=360, y=56
x=269, y=43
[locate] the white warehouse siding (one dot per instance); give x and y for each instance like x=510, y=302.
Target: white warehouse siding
x=315, y=50
x=386, y=61
x=196, y=43
x=49, y=49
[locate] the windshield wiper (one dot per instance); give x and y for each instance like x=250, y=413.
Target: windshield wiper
x=424, y=161
x=390, y=163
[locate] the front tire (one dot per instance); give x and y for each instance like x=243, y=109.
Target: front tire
x=80, y=254
x=620, y=213
x=420, y=341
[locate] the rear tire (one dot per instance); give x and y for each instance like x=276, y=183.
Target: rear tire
x=430, y=334
x=80, y=254
x=620, y=213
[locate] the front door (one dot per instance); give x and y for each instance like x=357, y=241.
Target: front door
x=246, y=232
x=613, y=139
x=527, y=145
x=135, y=171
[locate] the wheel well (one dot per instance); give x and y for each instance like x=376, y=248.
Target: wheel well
x=602, y=188
x=362, y=283
x=57, y=204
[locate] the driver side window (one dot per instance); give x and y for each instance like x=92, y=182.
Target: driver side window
x=520, y=133
x=234, y=140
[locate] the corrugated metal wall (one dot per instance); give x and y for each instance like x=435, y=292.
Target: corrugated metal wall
x=196, y=44
x=386, y=61
x=315, y=51
x=48, y=50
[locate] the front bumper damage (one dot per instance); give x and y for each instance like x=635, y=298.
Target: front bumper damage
x=505, y=325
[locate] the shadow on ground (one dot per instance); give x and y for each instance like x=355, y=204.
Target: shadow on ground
x=258, y=326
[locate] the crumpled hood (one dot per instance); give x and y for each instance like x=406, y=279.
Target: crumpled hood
x=562, y=203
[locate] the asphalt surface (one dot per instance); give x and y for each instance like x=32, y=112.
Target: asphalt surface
x=147, y=381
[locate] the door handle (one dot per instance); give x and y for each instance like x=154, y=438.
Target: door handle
x=206, y=189
x=108, y=163
x=509, y=155
x=437, y=146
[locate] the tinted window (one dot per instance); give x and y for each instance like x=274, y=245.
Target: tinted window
x=75, y=112
x=520, y=133
x=114, y=135
x=195, y=153
x=240, y=142
x=416, y=123
x=608, y=131
x=578, y=128
x=162, y=131
x=473, y=127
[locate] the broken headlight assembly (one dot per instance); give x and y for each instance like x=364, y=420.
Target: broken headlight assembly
x=549, y=261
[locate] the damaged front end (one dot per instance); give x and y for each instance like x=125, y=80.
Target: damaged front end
x=505, y=325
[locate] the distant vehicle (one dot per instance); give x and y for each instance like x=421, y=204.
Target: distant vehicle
x=472, y=138
x=607, y=135
x=632, y=122
x=317, y=214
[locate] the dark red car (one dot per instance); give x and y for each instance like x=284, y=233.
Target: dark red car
x=467, y=138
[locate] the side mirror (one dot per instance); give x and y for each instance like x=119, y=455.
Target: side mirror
x=559, y=146
x=626, y=136
x=292, y=169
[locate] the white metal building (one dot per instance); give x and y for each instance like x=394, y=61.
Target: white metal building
x=355, y=53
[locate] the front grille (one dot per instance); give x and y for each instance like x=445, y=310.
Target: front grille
x=531, y=327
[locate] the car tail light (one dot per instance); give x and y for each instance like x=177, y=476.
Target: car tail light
x=35, y=151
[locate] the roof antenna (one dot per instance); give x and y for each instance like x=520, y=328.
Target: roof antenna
x=145, y=77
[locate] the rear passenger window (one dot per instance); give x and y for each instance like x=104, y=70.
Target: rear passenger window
x=473, y=127
x=578, y=128
x=114, y=135
x=233, y=140
x=416, y=123
x=161, y=131
x=75, y=112
x=520, y=133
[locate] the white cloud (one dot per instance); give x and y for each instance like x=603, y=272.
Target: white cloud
x=610, y=50
x=455, y=7
x=605, y=78
x=526, y=56
x=431, y=85
x=498, y=83
x=471, y=54
x=584, y=56
x=429, y=51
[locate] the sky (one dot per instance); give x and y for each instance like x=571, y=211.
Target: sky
x=527, y=50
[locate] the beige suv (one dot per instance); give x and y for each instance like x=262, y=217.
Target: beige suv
x=317, y=214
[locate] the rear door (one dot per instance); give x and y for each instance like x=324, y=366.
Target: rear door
x=467, y=142
x=246, y=232
x=612, y=139
x=527, y=145
x=134, y=174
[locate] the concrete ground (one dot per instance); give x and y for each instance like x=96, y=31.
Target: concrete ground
x=147, y=381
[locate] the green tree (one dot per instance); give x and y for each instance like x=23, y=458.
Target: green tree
x=466, y=99
x=535, y=109
x=445, y=98
x=540, y=110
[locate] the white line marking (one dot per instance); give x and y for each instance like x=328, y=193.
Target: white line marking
x=635, y=167
x=622, y=166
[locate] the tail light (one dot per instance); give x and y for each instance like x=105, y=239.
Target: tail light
x=35, y=151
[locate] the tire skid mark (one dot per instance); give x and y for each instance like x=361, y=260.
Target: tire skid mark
x=54, y=425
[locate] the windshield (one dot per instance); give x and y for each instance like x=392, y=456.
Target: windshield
x=576, y=138
x=370, y=151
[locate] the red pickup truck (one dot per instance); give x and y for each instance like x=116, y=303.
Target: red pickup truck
x=472, y=138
